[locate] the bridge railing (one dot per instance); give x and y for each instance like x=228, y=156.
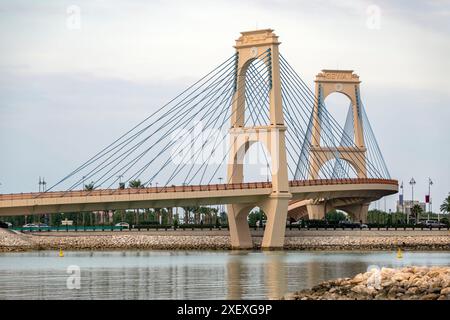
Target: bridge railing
x=191, y=188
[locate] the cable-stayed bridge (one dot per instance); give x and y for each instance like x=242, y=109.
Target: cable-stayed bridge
x=253, y=107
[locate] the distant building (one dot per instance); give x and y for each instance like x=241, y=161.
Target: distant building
x=408, y=204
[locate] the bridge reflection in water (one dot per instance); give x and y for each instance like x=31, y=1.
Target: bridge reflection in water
x=279, y=273
x=271, y=273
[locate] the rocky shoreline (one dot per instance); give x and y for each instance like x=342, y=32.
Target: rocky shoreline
x=12, y=241
x=410, y=283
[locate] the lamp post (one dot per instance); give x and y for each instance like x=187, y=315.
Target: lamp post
x=83, y=215
x=402, y=197
x=44, y=188
x=412, y=182
x=120, y=179
x=220, y=205
x=430, y=183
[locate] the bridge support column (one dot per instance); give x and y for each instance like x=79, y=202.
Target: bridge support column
x=239, y=229
x=358, y=211
x=362, y=214
x=316, y=211
x=275, y=208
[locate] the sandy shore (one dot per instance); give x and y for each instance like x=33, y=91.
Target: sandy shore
x=220, y=240
x=410, y=283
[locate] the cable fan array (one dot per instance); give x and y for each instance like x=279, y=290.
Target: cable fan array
x=187, y=141
x=298, y=104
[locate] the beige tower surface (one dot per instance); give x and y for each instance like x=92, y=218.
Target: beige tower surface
x=250, y=46
x=347, y=83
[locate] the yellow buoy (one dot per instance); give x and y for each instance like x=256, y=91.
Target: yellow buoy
x=61, y=253
x=399, y=253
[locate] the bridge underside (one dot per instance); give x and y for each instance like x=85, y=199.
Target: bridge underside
x=356, y=207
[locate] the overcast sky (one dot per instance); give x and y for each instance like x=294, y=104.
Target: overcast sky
x=69, y=86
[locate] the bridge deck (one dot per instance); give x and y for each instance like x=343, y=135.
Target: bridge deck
x=129, y=198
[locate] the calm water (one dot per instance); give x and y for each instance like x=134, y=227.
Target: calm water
x=187, y=274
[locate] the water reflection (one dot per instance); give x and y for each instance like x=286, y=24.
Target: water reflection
x=275, y=274
x=187, y=275
x=235, y=271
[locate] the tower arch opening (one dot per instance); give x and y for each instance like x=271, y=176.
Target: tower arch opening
x=337, y=120
x=257, y=91
x=338, y=168
x=257, y=163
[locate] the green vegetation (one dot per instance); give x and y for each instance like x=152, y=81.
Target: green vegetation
x=416, y=211
x=255, y=216
x=89, y=186
x=335, y=216
x=445, y=206
x=382, y=217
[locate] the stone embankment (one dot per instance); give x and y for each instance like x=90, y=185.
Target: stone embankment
x=11, y=241
x=195, y=240
x=16, y=242
x=367, y=242
x=410, y=283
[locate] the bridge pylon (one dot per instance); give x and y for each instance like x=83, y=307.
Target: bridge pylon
x=249, y=47
x=347, y=83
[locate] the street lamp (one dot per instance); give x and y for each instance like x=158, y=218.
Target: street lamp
x=430, y=183
x=120, y=178
x=412, y=182
x=402, y=198
x=220, y=205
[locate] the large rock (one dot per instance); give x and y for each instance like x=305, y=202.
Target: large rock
x=411, y=283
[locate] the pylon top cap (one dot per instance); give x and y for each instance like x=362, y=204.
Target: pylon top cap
x=254, y=38
x=330, y=75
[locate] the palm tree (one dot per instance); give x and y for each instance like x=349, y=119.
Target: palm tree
x=416, y=210
x=197, y=212
x=135, y=184
x=89, y=187
x=187, y=213
x=445, y=206
x=170, y=215
x=214, y=212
